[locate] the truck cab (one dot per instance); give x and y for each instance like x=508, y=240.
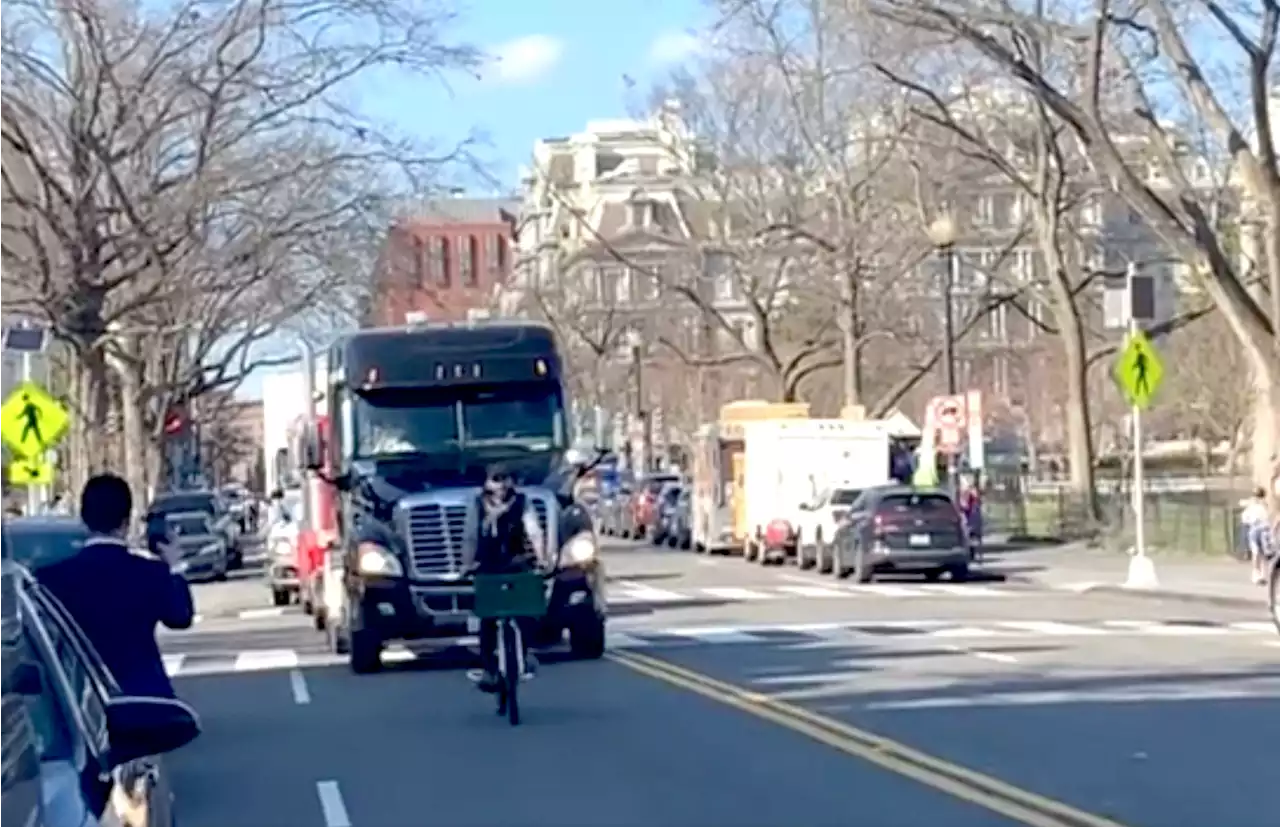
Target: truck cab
x=416, y=417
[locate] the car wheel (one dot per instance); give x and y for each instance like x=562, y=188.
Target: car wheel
x=221, y=573
x=657, y=538
x=587, y=639
x=959, y=572
x=280, y=597
x=365, y=652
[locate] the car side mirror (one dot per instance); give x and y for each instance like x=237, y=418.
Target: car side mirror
x=138, y=727
x=806, y=506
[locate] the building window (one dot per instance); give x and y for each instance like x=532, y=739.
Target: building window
x=420, y=268
x=435, y=262
x=467, y=260
x=501, y=258
x=491, y=255
x=446, y=265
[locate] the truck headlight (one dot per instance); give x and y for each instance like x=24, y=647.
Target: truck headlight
x=580, y=548
x=282, y=548
x=212, y=548
x=375, y=559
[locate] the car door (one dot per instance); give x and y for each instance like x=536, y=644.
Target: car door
x=127, y=796
x=849, y=531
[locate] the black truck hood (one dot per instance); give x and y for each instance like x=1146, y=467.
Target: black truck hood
x=388, y=479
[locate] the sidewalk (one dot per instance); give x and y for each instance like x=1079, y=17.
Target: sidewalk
x=1075, y=567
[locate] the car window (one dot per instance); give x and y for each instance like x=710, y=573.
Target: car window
x=845, y=496
x=174, y=503
x=189, y=526
x=72, y=657
x=917, y=504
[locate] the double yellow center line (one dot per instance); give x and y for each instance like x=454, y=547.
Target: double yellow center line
x=962, y=783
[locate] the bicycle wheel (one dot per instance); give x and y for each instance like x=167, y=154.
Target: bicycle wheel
x=513, y=670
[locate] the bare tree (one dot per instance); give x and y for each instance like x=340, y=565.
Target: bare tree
x=185, y=180
x=1119, y=86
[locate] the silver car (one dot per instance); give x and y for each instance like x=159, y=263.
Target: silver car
x=194, y=548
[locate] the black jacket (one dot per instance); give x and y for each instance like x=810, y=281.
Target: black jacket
x=505, y=544
x=117, y=595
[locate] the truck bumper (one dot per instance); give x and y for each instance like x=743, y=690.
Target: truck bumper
x=403, y=609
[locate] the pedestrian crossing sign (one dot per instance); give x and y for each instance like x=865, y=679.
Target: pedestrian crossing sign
x=1139, y=370
x=32, y=421
x=27, y=472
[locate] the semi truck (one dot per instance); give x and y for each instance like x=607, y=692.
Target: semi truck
x=419, y=414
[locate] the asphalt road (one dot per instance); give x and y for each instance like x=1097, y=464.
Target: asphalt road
x=745, y=695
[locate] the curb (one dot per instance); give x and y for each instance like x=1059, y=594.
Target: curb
x=1166, y=594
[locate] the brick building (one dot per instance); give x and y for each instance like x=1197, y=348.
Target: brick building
x=444, y=262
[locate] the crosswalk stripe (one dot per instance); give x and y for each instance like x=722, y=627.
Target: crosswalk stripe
x=887, y=590
x=1050, y=628
x=735, y=593
x=639, y=592
x=716, y=635
x=813, y=591
x=173, y=664
x=266, y=659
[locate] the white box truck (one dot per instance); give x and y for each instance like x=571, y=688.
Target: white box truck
x=788, y=466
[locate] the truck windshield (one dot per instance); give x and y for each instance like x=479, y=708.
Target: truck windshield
x=394, y=421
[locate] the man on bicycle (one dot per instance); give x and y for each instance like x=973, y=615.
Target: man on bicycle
x=508, y=540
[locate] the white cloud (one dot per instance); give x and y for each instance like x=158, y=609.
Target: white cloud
x=524, y=59
x=674, y=47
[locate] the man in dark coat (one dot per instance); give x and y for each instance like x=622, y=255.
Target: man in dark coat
x=508, y=540
x=118, y=594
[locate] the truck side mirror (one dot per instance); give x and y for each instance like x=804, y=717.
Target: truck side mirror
x=312, y=451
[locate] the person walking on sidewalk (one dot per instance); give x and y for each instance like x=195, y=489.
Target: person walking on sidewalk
x=1255, y=520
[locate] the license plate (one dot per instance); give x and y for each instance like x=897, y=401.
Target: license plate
x=918, y=539
x=473, y=625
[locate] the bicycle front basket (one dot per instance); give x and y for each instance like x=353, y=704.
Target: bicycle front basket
x=510, y=595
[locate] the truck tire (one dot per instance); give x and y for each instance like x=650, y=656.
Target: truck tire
x=587, y=640
x=280, y=597
x=365, y=654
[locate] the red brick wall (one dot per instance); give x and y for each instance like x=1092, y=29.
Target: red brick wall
x=424, y=267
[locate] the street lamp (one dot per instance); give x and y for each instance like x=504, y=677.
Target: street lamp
x=642, y=458
x=942, y=232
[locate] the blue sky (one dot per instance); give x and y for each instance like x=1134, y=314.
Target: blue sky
x=556, y=65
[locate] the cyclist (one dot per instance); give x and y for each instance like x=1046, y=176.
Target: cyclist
x=508, y=540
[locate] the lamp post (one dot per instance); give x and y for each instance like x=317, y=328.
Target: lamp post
x=942, y=233
x=642, y=458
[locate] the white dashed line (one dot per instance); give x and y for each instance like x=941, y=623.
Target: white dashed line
x=994, y=657
x=331, y=803
x=298, y=683
x=733, y=593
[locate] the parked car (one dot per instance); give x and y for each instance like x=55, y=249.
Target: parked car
x=642, y=506
x=615, y=511
x=38, y=541
x=680, y=530
x=194, y=547
x=661, y=530
x=75, y=746
x=174, y=502
x=894, y=528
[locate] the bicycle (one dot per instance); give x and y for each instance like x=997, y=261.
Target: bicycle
x=509, y=598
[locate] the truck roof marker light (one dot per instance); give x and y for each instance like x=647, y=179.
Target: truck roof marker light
x=439, y=371
x=372, y=377
x=457, y=371
x=540, y=367
x=475, y=370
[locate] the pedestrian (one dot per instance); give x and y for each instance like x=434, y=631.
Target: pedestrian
x=1255, y=521
x=971, y=508
x=276, y=512
x=117, y=594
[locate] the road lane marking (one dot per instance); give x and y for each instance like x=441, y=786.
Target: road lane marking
x=981, y=654
x=173, y=664
x=332, y=805
x=960, y=782
x=298, y=683
x=711, y=634
x=813, y=591
x=640, y=593
x=263, y=660
x=735, y=593
x=1051, y=628
x=254, y=614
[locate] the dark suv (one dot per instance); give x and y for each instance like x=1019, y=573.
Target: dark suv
x=74, y=746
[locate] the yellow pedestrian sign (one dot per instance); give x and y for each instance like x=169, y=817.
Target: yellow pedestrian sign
x=32, y=421
x=1139, y=370
x=31, y=472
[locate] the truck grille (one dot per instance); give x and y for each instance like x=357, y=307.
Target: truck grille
x=437, y=533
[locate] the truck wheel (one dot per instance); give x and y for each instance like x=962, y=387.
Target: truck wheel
x=307, y=606
x=319, y=618
x=587, y=640
x=365, y=655
x=280, y=597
